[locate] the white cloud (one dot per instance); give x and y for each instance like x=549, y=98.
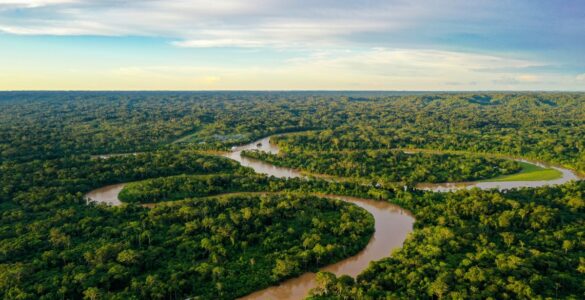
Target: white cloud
x=528, y=78
x=218, y=23
x=272, y=23
x=211, y=43
x=63, y=28
x=320, y=31
x=33, y=3
x=412, y=62
x=376, y=69
x=373, y=69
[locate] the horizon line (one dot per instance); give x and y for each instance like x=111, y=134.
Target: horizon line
x=307, y=90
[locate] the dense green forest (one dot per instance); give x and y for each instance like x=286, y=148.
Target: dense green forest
x=216, y=248
x=178, y=187
x=392, y=165
x=54, y=245
x=184, y=186
x=525, y=243
x=545, y=126
x=41, y=184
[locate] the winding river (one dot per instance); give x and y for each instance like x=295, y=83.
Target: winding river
x=392, y=223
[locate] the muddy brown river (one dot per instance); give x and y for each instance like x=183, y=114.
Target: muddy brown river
x=392, y=223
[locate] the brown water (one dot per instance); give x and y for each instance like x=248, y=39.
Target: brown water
x=392, y=226
x=260, y=166
x=391, y=222
x=107, y=194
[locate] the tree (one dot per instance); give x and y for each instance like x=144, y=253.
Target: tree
x=92, y=293
x=285, y=267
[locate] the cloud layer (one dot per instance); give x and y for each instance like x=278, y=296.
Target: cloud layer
x=256, y=23
x=450, y=44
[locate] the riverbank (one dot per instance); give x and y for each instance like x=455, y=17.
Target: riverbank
x=392, y=223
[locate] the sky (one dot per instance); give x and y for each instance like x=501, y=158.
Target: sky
x=292, y=45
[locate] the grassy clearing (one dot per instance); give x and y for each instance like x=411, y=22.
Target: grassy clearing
x=190, y=137
x=530, y=172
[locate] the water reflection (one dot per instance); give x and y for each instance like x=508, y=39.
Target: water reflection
x=260, y=166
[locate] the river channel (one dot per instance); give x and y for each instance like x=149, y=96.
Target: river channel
x=392, y=223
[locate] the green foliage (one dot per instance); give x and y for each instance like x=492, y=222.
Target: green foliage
x=50, y=125
x=213, y=248
x=183, y=186
x=524, y=244
x=544, y=126
x=53, y=245
x=39, y=182
x=483, y=244
x=186, y=186
x=531, y=172
x=392, y=166
x=541, y=126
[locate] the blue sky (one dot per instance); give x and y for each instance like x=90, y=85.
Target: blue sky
x=282, y=45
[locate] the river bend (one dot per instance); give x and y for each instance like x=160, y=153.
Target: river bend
x=392, y=223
